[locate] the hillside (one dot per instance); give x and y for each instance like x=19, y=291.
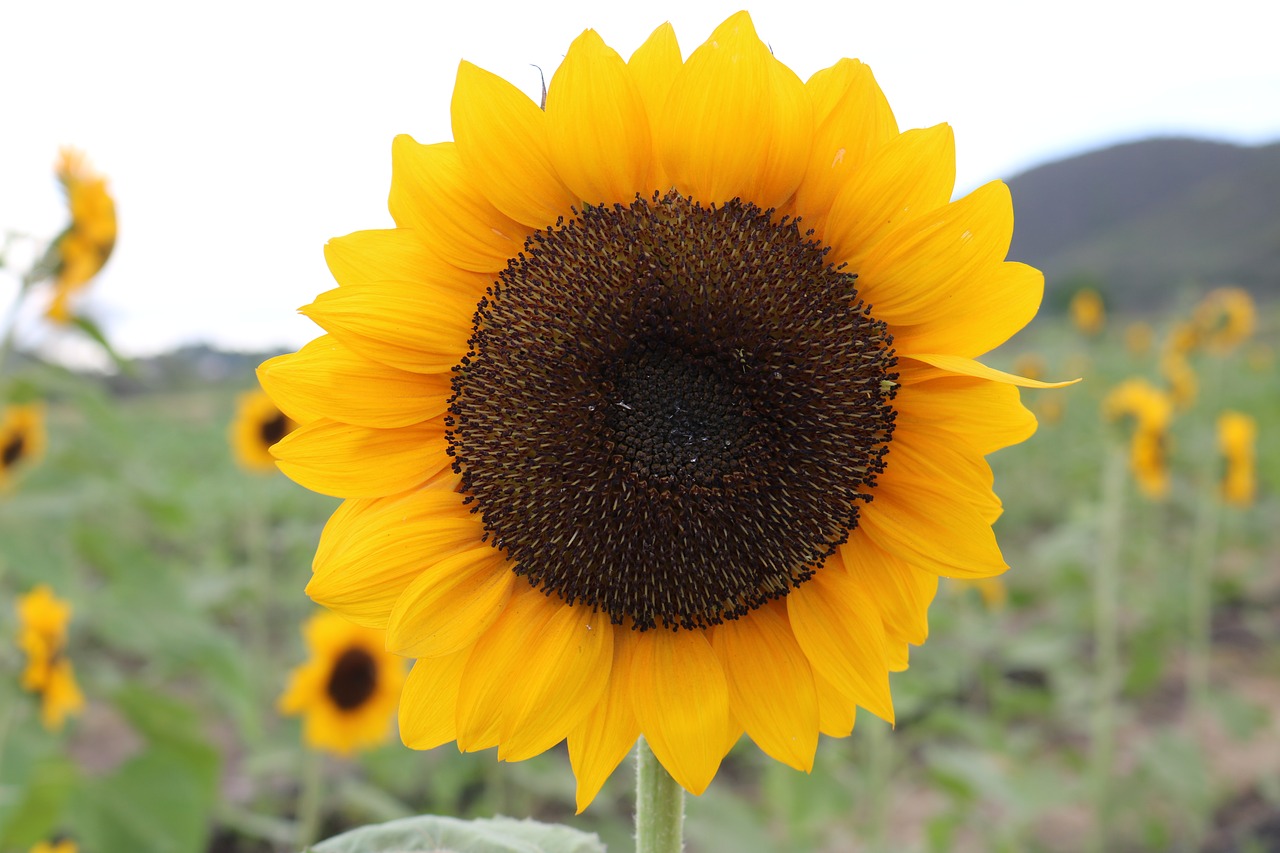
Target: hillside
x=1147, y=220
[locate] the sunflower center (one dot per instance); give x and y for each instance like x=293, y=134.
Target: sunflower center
x=671, y=413
x=12, y=451
x=353, y=679
x=273, y=430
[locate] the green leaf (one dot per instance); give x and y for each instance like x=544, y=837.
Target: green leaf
x=450, y=835
x=38, y=808
x=91, y=329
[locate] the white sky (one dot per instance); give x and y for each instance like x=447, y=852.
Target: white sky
x=239, y=136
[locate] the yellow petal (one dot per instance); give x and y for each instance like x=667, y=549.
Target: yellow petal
x=494, y=662
x=954, y=365
x=932, y=530
x=736, y=122
x=422, y=329
x=851, y=120
x=910, y=175
x=925, y=455
x=898, y=654
x=920, y=270
x=451, y=603
x=429, y=702
x=365, y=257
x=682, y=704
x=770, y=683
x=325, y=379
x=902, y=592
x=502, y=139
x=596, y=124
x=987, y=311
x=836, y=712
x=562, y=677
x=609, y=731
x=349, y=461
x=654, y=67
x=985, y=415
x=432, y=194
x=840, y=628
x=371, y=550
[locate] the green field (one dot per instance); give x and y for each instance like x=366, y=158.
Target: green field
x=187, y=579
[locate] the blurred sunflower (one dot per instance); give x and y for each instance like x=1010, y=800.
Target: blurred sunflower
x=1088, y=313
x=257, y=425
x=1237, y=437
x=610, y=404
x=347, y=691
x=22, y=440
x=42, y=636
x=1183, y=385
x=65, y=845
x=1149, y=412
x=85, y=246
x=1225, y=318
x=1184, y=338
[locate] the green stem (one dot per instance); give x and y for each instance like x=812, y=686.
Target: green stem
x=7, y=328
x=1199, y=604
x=311, y=797
x=879, y=761
x=659, y=805
x=1106, y=640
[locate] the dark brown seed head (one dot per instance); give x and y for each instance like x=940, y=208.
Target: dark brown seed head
x=274, y=429
x=12, y=451
x=671, y=412
x=353, y=679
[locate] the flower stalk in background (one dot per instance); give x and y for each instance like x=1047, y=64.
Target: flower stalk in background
x=42, y=636
x=610, y=405
x=22, y=440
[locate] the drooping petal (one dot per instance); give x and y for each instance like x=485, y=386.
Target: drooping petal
x=596, y=124
x=681, y=701
x=954, y=365
x=985, y=415
x=432, y=193
x=428, y=705
x=564, y=674
x=502, y=139
x=400, y=324
x=851, y=120
x=987, y=310
x=654, y=67
x=451, y=603
x=919, y=271
x=770, y=681
x=736, y=122
x=910, y=175
x=610, y=730
x=349, y=461
x=838, y=624
x=325, y=379
x=371, y=550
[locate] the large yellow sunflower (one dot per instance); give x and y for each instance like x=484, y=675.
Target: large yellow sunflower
x=347, y=691
x=42, y=636
x=257, y=425
x=22, y=440
x=657, y=412
x=87, y=243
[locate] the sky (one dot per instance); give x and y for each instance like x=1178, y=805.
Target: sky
x=239, y=136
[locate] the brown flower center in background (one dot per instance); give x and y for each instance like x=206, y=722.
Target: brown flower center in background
x=353, y=679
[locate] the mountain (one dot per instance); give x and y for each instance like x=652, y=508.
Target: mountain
x=1144, y=221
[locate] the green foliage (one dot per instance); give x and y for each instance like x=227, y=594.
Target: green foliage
x=449, y=835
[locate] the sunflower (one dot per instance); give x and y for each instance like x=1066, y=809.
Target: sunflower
x=257, y=425
x=42, y=636
x=65, y=845
x=85, y=246
x=1088, y=313
x=348, y=690
x=22, y=440
x=1181, y=378
x=1237, y=437
x=1150, y=411
x=658, y=411
x=1225, y=318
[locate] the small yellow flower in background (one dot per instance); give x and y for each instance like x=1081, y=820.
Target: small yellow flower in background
x=1183, y=385
x=22, y=440
x=88, y=241
x=607, y=470
x=1088, y=313
x=994, y=593
x=347, y=692
x=42, y=636
x=257, y=425
x=1224, y=319
x=1139, y=337
x=1030, y=365
x=66, y=845
x=1237, y=439
x=1183, y=338
x=1150, y=412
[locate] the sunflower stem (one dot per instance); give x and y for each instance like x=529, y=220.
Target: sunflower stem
x=659, y=805
x=1199, y=603
x=311, y=797
x=1106, y=639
